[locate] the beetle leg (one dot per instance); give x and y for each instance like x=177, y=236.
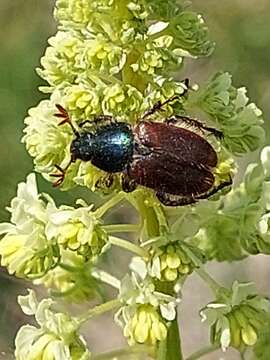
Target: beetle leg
x=106, y=181
x=128, y=184
x=65, y=119
x=81, y=125
x=61, y=174
x=158, y=106
x=194, y=123
x=169, y=200
x=96, y=120
x=102, y=117
x=215, y=189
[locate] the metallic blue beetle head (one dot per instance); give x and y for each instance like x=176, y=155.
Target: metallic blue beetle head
x=82, y=147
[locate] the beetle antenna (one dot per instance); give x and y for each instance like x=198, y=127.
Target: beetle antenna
x=61, y=174
x=65, y=119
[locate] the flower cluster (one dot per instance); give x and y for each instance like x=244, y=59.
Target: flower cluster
x=24, y=249
x=170, y=262
x=56, y=336
x=240, y=121
x=238, y=320
x=241, y=218
x=146, y=312
x=42, y=237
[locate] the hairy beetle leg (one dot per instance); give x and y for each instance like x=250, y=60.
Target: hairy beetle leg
x=60, y=175
x=215, y=189
x=175, y=119
x=170, y=200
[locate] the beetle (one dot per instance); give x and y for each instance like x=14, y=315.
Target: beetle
x=178, y=163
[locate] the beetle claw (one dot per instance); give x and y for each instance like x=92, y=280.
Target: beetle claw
x=60, y=176
x=62, y=114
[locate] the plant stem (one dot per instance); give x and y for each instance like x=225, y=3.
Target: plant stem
x=242, y=356
x=127, y=245
x=106, y=278
x=99, y=309
x=113, y=228
x=147, y=213
x=214, y=286
x=204, y=351
x=125, y=352
x=170, y=349
x=109, y=204
x=212, y=283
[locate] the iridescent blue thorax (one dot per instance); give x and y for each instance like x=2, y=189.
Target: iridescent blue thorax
x=110, y=147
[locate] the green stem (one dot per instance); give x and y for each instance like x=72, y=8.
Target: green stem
x=148, y=216
x=99, y=310
x=212, y=283
x=127, y=245
x=214, y=286
x=109, y=204
x=242, y=356
x=204, y=351
x=119, y=228
x=170, y=349
x=106, y=278
x=126, y=352
x=162, y=219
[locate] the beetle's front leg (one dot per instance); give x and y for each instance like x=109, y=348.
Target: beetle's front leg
x=97, y=120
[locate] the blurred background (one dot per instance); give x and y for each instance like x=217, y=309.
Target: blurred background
x=241, y=31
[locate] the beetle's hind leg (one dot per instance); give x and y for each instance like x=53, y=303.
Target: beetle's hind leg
x=178, y=119
x=171, y=200
x=215, y=189
x=160, y=105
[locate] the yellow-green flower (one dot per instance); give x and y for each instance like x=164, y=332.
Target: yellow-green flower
x=24, y=249
x=77, y=230
x=80, y=12
x=238, y=321
x=122, y=99
x=45, y=141
x=59, y=61
x=102, y=55
x=170, y=262
x=55, y=338
x=72, y=280
x=145, y=326
x=82, y=102
x=156, y=55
